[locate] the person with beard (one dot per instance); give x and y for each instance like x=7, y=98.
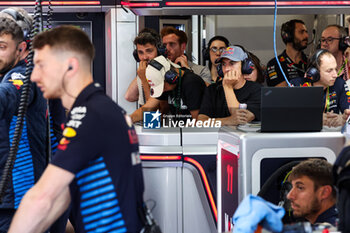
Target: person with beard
x=147, y=44
x=175, y=42
x=312, y=196
x=30, y=160
x=293, y=60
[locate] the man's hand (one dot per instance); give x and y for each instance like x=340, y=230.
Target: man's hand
x=332, y=119
x=141, y=71
x=231, y=78
x=241, y=117
x=183, y=61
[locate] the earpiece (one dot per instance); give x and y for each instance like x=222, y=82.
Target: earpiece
x=20, y=49
x=70, y=67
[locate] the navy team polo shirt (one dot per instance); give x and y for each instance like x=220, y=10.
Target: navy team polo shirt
x=100, y=147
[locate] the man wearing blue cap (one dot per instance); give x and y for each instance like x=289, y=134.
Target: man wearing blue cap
x=222, y=100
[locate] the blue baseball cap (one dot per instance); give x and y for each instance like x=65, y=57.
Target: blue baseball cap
x=234, y=53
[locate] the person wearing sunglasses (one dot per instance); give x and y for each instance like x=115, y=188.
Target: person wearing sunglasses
x=216, y=46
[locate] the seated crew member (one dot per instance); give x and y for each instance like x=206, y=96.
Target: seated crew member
x=216, y=46
x=313, y=196
x=176, y=89
x=258, y=73
x=175, y=42
x=293, y=60
x=322, y=71
x=31, y=157
x=147, y=44
x=332, y=39
x=103, y=185
x=221, y=100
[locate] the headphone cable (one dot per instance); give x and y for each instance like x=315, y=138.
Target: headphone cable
x=274, y=44
x=64, y=87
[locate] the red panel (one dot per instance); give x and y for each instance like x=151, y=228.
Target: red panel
x=160, y=157
x=266, y=3
x=151, y=4
x=55, y=3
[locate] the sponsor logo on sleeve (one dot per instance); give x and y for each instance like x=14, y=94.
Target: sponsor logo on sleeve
x=63, y=144
x=77, y=114
x=69, y=132
x=17, y=80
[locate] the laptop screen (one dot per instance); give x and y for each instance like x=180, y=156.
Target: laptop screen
x=291, y=109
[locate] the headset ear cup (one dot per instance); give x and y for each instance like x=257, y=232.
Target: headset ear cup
x=220, y=71
x=287, y=32
x=312, y=74
x=171, y=77
x=247, y=66
x=342, y=45
x=135, y=55
x=162, y=51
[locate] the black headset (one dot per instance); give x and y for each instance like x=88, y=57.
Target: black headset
x=312, y=73
x=206, y=51
x=171, y=76
x=247, y=64
x=287, y=31
x=18, y=17
x=161, y=49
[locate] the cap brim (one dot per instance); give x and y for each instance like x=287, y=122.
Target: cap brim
x=228, y=57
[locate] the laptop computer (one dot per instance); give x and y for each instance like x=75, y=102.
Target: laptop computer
x=291, y=109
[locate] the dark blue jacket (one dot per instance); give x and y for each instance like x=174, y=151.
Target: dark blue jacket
x=31, y=156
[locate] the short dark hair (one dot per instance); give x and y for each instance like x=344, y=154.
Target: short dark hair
x=148, y=35
x=289, y=28
x=317, y=170
x=66, y=38
x=10, y=27
x=182, y=37
x=220, y=38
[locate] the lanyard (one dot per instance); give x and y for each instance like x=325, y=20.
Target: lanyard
x=326, y=106
x=344, y=67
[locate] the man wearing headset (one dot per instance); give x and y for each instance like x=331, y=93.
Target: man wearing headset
x=322, y=71
x=293, y=60
x=333, y=40
x=148, y=45
x=175, y=42
x=222, y=100
x=30, y=160
x=174, y=89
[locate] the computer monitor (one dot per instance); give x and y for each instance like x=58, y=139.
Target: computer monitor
x=291, y=109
